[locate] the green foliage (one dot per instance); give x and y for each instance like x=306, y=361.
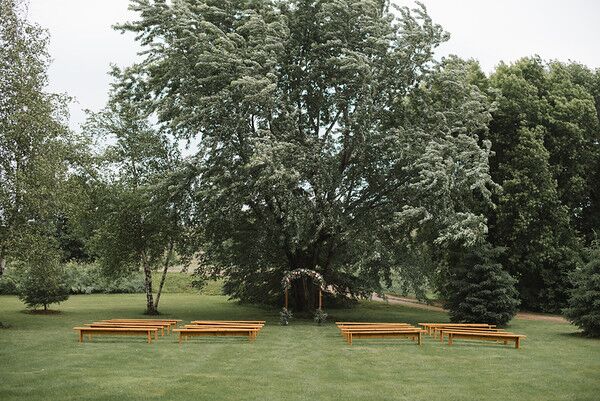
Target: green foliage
x=285, y=316
x=320, y=317
x=42, y=281
x=8, y=282
x=477, y=289
x=89, y=279
x=326, y=132
x=542, y=131
x=584, y=304
x=135, y=208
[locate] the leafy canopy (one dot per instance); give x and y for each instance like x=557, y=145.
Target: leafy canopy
x=328, y=137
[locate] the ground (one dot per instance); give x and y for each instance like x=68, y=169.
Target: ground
x=40, y=358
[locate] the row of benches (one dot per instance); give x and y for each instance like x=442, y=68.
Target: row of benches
x=151, y=328
x=250, y=328
x=470, y=331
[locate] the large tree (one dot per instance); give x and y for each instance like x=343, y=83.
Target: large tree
x=541, y=134
x=328, y=138
x=35, y=142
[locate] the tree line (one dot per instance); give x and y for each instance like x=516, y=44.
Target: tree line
x=261, y=137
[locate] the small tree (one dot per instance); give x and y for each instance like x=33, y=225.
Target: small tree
x=584, y=304
x=136, y=208
x=42, y=281
x=477, y=289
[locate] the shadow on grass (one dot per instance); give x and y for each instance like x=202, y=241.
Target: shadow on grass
x=578, y=334
x=41, y=311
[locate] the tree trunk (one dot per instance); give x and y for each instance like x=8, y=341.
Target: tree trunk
x=164, y=275
x=2, y=264
x=150, y=309
x=303, y=295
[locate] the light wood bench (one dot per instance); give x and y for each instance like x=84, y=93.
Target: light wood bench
x=228, y=326
x=228, y=322
x=131, y=331
x=367, y=323
x=389, y=332
x=433, y=326
x=160, y=326
x=444, y=331
x=171, y=322
x=453, y=335
x=250, y=332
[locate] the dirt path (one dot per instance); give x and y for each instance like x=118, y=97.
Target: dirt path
x=413, y=303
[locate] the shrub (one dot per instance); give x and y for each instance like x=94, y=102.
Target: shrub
x=89, y=279
x=44, y=281
x=284, y=316
x=320, y=316
x=477, y=289
x=584, y=303
x=8, y=282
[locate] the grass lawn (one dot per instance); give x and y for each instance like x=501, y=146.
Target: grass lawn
x=40, y=358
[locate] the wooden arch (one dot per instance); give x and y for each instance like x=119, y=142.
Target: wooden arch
x=286, y=282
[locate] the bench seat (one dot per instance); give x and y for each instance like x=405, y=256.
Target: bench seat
x=453, y=335
x=158, y=326
x=250, y=332
x=354, y=333
x=148, y=331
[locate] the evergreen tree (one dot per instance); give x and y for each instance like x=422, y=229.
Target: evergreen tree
x=42, y=281
x=477, y=289
x=584, y=304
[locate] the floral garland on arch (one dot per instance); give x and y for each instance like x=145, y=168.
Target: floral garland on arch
x=286, y=281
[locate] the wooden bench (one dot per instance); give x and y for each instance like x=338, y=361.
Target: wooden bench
x=433, y=326
x=228, y=326
x=444, y=331
x=160, y=326
x=250, y=332
x=453, y=335
x=135, y=331
x=225, y=322
x=368, y=323
x=383, y=332
x=171, y=322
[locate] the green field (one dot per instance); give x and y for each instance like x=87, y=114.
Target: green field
x=40, y=358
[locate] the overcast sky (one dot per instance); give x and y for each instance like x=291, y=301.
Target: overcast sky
x=83, y=44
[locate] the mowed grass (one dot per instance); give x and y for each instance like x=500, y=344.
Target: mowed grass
x=40, y=358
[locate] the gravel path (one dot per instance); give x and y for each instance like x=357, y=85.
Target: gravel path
x=413, y=303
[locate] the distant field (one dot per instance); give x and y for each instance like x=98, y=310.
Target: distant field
x=181, y=283
x=40, y=358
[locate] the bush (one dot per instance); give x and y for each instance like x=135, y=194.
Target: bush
x=320, y=316
x=44, y=281
x=89, y=279
x=8, y=282
x=284, y=316
x=477, y=289
x=584, y=303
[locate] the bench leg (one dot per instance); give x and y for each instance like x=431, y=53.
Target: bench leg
x=80, y=336
x=149, y=337
x=420, y=339
x=350, y=338
x=180, y=338
x=517, y=342
x=449, y=339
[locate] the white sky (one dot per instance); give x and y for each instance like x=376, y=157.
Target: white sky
x=83, y=44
